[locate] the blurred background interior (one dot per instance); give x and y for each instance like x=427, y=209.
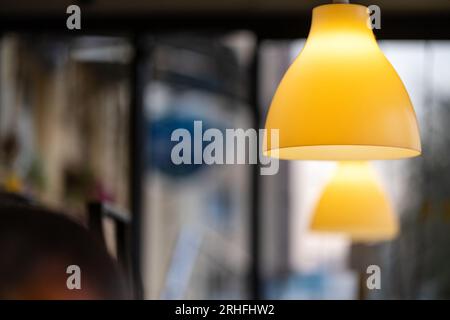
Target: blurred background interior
x=86, y=118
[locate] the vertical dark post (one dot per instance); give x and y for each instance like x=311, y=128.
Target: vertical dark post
x=136, y=163
x=255, y=239
x=95, y=220
x=122, y=243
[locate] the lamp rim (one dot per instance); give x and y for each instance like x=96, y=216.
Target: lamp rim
x=360, y=235
x=341, y=152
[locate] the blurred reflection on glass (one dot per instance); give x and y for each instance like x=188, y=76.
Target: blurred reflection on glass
x=196, y=237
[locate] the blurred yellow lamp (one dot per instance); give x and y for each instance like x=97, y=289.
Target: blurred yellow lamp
x=353, y=203
x=341, y=99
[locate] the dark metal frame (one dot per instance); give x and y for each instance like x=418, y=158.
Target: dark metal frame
x=255, y=282
x=287, y=25
x=136, y=163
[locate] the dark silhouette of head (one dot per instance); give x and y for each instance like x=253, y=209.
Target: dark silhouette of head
x=37, y=247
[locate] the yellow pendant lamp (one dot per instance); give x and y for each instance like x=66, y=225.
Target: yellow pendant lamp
x=353, y=203
x=341, y=99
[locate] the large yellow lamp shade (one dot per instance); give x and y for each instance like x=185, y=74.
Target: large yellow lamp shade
x=341, y=99
x=354, y=204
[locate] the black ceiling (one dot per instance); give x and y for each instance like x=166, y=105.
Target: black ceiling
x=401, y=19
